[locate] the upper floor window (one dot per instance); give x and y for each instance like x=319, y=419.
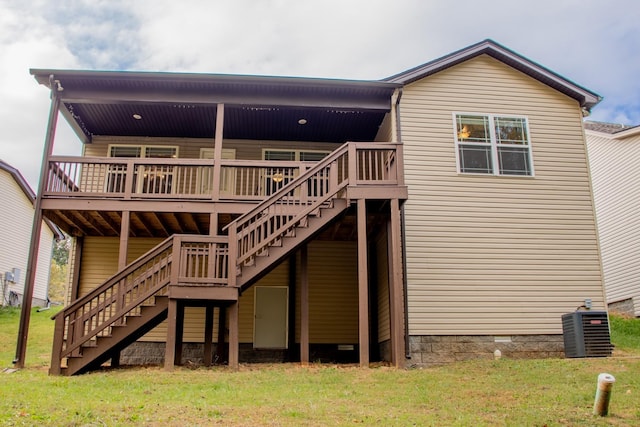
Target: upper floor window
x=493, y=144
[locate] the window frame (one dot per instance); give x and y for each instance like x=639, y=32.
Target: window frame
x=493, y=144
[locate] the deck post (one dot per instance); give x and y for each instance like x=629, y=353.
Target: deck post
x=233, y=336
x=363, y=285
x=217, y=151
x=170, y=350
x=222, y=326
x=36, y=228
x=304, y=305
x=396, y=309
x=179, y=333
x=208, y=335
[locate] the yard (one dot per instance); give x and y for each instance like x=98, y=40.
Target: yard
x=547, y=392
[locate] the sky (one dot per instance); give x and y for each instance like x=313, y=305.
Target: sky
x=595, y=44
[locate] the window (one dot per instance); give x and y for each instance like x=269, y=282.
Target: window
x=278, y=177
x=155, y=179
x=492, y=144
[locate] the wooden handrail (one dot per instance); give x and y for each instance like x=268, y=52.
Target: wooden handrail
x=291, y=184
x=159, y=248
x=124, y=292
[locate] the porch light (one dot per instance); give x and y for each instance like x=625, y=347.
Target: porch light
x=137, y=116
x=277, y=177
x=302, y=121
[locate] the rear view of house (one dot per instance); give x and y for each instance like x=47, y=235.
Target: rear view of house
x=436, y=215
x=614, y=156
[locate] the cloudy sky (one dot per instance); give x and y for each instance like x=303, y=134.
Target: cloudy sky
x=593, y=43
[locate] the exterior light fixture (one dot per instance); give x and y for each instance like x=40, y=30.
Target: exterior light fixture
x=302, y=121
x=137, y=116
x=277, y=177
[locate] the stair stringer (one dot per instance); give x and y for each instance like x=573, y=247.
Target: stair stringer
x=93, y=356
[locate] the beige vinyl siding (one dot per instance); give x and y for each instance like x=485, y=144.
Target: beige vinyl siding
x=496, y=254
x=15, y=227
x=333, y=294
x=615, y=171
x=382, y=279
x=384, y=132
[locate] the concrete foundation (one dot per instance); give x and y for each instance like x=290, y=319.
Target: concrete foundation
x=434, y=350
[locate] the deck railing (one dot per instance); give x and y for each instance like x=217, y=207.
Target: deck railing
x=201, y=260
x=159, y=178
x=118, y=178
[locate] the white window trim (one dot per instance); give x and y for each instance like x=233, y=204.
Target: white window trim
x=493, y=143
x=143, y=148
x=295, y=151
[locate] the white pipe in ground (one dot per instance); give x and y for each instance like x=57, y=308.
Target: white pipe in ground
x=603, y=394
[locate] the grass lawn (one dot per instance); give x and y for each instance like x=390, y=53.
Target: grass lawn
x=551, y=392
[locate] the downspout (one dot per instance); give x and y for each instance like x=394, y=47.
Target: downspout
x=407, y=347
x=403, y=243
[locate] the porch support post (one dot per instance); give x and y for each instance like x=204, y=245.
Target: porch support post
x=208, y=334
x=304, y=306
x=78, y=243
x=36, y=228
x=396, y=309
x=363, y=289
x=177, y=360
x=124, y=239
x=234, y=342
x=217, y=151
x=222, y=326
x=170, y=350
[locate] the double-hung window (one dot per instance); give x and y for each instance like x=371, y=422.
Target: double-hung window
x=493, y=144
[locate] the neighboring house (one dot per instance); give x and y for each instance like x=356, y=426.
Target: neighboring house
x=244, y=218
x=15, y=226
x=614, y=158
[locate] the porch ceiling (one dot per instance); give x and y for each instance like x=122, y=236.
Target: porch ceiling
x=184, y=105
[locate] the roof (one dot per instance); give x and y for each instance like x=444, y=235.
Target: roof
x=611, y=130
x=604, y=127
x=19, y=179
x=26, y=189
x=585, y=97
x=184, y=105
x=160, y=104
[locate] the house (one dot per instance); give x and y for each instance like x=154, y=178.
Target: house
x=436, y=215
x=15, y=226
x=614, y=158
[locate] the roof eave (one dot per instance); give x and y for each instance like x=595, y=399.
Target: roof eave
x=585, y=97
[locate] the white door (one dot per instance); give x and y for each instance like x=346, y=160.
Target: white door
x=271, y=317
x=227, y=174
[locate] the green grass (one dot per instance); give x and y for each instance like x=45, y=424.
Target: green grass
x=552, y=392
x=625, y=333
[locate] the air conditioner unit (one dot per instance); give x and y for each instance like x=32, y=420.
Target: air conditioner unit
x=586, y=334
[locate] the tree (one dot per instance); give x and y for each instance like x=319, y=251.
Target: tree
x=61, y=251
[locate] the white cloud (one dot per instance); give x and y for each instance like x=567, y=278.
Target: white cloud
x=595, y=44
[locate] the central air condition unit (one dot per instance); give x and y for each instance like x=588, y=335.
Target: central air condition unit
x=586, y=334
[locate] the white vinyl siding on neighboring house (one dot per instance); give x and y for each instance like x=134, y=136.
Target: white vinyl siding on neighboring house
x=615, y=171
x=496, y=255
x=16, y=227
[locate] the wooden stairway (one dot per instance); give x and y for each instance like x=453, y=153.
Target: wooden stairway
x=95, y=352
x=97, y=326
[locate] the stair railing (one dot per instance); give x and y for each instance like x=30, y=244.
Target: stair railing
x=276, y=216
x=180, y=259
